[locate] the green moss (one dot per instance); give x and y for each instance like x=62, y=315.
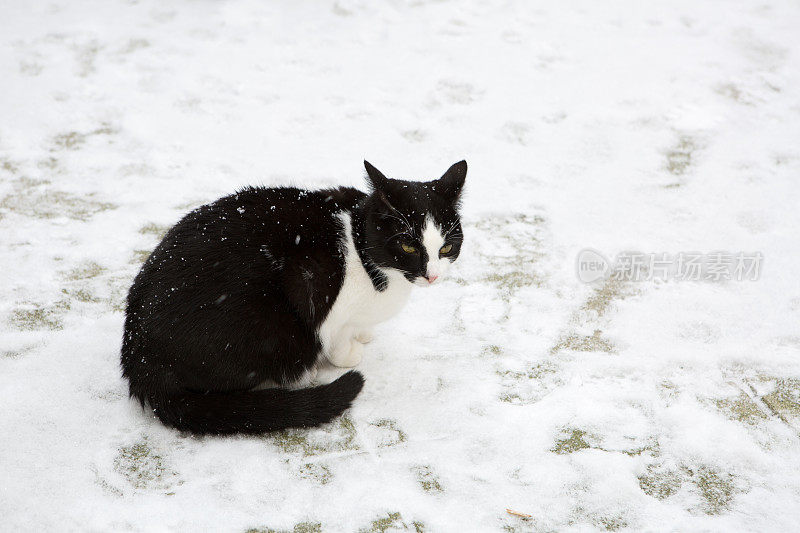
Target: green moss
x=492, y=349
x=302, y=527
x=419, y=527
x=8, y=166
x=427, y=479
x=716, y=489
x=571, y=443
x=513, y=280
x=785, y=398
x=135, y=44
x=512, y=398
x=295, y=441
x=740, y=408
x=140, y=256
x=634, y=452
x=340, y=436
x=668, y=389
x=679, y=158
x=526, y=386
x=154, y=229
x=316, y=472
x=48, y=163
x=391, y=425
x=32, y=198
x=516, y=271
x=729, y=90
x=140, y=465
x=536, y=372
x=81, y=295
x=69, y=141
x=384, y=523
x=87, y=270
x=584, y=343
x=660, y=484
x=600, y=300
x=38, y=317
x=612, y=523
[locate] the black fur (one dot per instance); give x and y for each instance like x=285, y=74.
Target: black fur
x=235, y=292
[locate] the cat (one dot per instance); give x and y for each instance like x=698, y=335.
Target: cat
x=260, y=285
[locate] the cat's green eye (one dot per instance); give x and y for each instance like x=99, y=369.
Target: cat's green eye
x=408, y=249
x=445, y=249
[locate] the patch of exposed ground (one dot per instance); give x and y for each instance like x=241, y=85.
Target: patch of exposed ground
x=574, y=440
x=427, y=479
x=34, y=317
x=740, y=408
x=784, y=398
x=302, y=527
x=384, y=433
x=140, y=256
x=34, y=198
x=591, y=313
x=151, y=228
x=87, y=270
x=73, y=140
x=143, y=467
x=316, y=472
x=392, y=521
x=715, y=489
x=583, y=343
x=680, y=156
x=338, y=436
x=521, y=387
x=516, y=248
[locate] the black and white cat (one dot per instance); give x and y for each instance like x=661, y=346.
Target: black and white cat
x=260, y=285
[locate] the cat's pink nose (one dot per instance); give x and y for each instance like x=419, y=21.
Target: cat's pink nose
x=431, y=279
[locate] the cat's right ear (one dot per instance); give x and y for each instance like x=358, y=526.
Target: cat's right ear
x=376, y=179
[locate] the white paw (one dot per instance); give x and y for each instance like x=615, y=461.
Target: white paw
x=364, y=336
x=347, y=355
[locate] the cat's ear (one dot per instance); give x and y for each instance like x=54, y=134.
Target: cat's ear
x=450, y=184
x=376, y=179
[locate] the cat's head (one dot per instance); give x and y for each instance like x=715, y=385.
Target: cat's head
x=414, y=227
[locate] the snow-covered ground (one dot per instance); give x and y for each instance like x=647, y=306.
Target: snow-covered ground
x=623, y=125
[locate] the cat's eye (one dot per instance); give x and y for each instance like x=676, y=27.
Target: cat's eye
x=445, y=249
x=408, y=249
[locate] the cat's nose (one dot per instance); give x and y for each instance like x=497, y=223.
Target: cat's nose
x=431, y=279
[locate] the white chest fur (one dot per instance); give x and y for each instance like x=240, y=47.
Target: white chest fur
x=358, y=307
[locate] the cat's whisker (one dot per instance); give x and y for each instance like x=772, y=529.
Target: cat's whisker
x=400, y=220
x=451, y=228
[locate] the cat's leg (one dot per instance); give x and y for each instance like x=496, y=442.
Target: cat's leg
x=345, y=352
x=308, y=377
x=364, y=336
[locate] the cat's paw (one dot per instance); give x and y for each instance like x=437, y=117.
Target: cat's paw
x=364, y=336
x=347, y=355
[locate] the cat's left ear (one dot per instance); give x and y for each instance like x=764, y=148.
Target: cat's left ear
x=376, y=177
x=450, y=184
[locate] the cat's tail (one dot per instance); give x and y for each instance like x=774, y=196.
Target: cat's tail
x=257, y=411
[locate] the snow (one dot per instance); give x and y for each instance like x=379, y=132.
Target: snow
x=616, y=126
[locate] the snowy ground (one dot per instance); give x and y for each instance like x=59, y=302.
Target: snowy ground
x=618, y=126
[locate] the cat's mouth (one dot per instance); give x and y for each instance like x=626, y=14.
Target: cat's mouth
x=426, y=281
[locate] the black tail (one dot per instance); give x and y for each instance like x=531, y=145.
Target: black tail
x=257, y=411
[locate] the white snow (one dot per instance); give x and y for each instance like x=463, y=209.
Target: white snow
x=617, y=126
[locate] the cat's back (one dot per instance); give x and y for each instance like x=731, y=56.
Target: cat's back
x=245, y=240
